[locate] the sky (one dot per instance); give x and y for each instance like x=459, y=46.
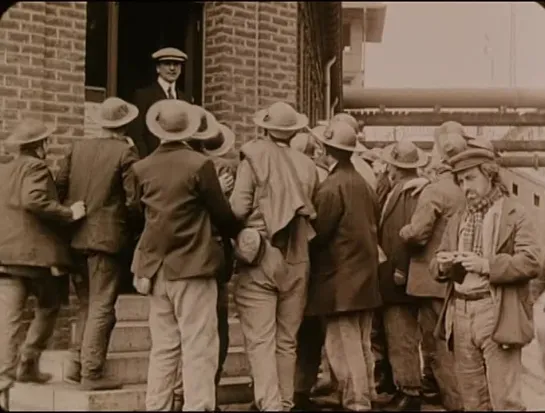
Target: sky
x=458, y=44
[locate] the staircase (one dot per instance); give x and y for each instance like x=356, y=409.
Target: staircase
x=127, y=361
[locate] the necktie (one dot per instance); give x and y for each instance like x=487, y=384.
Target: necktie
x=170, y=95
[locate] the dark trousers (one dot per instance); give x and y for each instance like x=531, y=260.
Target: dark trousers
x=310, y=340
x=223, y=326
x=14, y=291
x=383, y=370
x=97, y=288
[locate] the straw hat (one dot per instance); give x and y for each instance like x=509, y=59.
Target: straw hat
x=114, y=113
x=281, y=117
x=169, y=54
x=220, y=144
x=209, y=126
x=173, y=120
x=338, y=135
x=345, y=117
x=29, y=131
x=404, y=155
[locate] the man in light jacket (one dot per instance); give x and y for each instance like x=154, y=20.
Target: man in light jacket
x=488, y=254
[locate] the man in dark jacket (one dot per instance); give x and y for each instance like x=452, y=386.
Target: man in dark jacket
x=344, y=286
x=178, y=258
x=168, y=63
x=100, y=172
x=34, y=257
x=400, y=311
x=437, y=203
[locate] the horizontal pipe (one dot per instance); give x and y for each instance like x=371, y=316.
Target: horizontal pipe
x=357, y=97
x=499, y=145
x=488, y=118
x=522, y=161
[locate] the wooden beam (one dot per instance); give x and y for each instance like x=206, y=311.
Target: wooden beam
x=420, y=118
x=499, y=145
x=113, y=31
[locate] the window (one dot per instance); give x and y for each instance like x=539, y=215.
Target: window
x=96, y=49
x=536, y=200
x=347, y=33
x=515, y=189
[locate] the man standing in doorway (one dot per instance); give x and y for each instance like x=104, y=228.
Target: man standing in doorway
x=168, y=63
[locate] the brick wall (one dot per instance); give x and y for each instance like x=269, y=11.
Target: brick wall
x=250, y=60
x=42, y=69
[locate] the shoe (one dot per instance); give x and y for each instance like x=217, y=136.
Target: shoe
x=430, y=389
x=100, y=384
x=253, y=407
x=405, y=403
x=303, y=403
x=28, y=372
x=73, y=373
x=323, y=388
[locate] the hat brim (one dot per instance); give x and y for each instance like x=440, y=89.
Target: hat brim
x=358, y=148
x=170, y=59
x=49, y=129
x=226, y=146
x=212, y=130
x=386, y=156
x=193, y=118
x=131, y=115
x=301, y=122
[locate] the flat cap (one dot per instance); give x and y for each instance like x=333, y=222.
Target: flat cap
x=470, y=158
x=170, y=54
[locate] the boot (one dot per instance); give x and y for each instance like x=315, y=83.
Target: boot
x=406, y=403
x=73, y=372
x=430, y=389
x=28, y=372
x=100, y=383
x=303, y=403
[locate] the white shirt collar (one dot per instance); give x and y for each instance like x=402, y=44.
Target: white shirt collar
x=165, y=86
x=332, y=166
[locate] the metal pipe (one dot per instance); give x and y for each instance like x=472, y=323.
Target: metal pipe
x=334, y=106
x=327, y=76
x=499, y=145
x=360, y=98
x=522, y=161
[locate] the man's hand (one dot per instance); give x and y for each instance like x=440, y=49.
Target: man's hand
x=445, y=260
x=142, y=285
x=417, y=184
x=78, y=210
x=226, y=182
x=473, y=263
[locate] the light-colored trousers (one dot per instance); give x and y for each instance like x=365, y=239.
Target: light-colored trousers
x=270, y=300
x=489, y=378
x=183, y=325
x=348, y=348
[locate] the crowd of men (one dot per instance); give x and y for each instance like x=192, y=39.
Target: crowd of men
x=404, y=276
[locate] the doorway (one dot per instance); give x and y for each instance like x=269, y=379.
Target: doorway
x=143, y=28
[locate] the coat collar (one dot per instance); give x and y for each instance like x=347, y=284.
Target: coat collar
x=393, y=197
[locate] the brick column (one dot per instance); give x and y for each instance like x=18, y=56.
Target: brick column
x=250, y=60
x=42, y=62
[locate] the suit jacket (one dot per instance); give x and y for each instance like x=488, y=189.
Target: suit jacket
x=436, y=204
x=514, y=255
x=99, y=172
x=180, y=212
x=396, y=213
x=144, y=140
x=30, y=214
x=344, y=257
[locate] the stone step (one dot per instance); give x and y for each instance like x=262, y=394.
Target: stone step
x=132, y=367
x=135, y=336
x=134, y=307
x=58, y=396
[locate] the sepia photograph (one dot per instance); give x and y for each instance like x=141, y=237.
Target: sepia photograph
x=272, y=206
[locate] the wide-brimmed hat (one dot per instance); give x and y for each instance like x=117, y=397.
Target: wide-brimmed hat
x=220, y=144
x=173, y=120
x=369, y=155
x=404, y=155
x=345, y=117
x=281, y=117
x=169, y=54
x=470, y=158
x=338, y=135
x=114, y=113
x=450, y=127
x=209, y=126
x=29, y=131
x=481, y=143
x=450, y=144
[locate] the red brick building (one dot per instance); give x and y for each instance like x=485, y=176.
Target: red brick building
x=56, y=58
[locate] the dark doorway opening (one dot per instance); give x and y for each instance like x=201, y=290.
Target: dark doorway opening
x=143, y=28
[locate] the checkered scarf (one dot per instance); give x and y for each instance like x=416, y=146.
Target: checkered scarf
x=472, y=236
